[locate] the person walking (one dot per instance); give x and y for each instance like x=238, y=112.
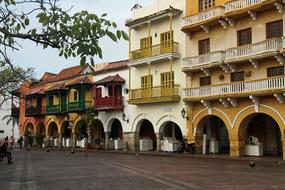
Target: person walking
x=3, y=150
x=20, y=141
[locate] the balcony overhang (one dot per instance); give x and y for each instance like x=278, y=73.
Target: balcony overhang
x=152, y=59
x=152, y=100
x=244, y=11
x=153, y=17
x=203, y=20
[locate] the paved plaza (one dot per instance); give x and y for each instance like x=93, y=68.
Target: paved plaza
x=38, y=169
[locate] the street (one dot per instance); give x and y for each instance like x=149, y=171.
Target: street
x=38, y=169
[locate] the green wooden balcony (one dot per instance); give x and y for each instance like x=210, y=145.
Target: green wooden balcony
x=79, y=106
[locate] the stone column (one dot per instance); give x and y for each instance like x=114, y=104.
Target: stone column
x=59, y=140
x=34, y=140
x=198, y=143
x=130, y=139
x=107, y=137
x=158, y=142
x=283, y=145
x=73, y=140
x=89, y=139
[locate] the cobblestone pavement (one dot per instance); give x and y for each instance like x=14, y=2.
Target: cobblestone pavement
x=37, y=169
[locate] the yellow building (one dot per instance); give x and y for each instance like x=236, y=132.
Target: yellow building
x=234, y=63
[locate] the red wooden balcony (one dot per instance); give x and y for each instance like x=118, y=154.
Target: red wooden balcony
x=110, y=103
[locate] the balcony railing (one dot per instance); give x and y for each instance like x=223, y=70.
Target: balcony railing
x=79, y=106
x=208, y=58
x=35, y=111
x=239, y=88
x=15, y=111
x=266, y=46
x=203, y=16
x=167, y=47
x=53, y=109
x=111, y=102
x=155, y=94
x=236, y=5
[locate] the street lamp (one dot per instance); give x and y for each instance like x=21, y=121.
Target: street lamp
x=183, y=113
x=124, y=118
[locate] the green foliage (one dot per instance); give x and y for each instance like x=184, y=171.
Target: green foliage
x=39, y=138
x=72, y=34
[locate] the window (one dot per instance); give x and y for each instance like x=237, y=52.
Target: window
x=205, y=81
x=244, y=37
x=166, y=40
x=75, y=95
x=146, y=42
x=166, y=80
x=237, y=76
x=206, y=4
x=204, y=46
x=275, y=71
x=146, y=81
x=98, y=92
x=274, y=29
x=50, y=100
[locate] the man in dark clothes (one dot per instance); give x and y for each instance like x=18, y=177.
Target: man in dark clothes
x=3, y=150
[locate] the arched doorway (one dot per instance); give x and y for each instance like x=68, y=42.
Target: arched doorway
x=116, y=135
x=81, y=133
x=260, y=133
x=97, y=133
x=147, y=138
x=40, y=134
x=66, y=132
x=212, y=136
x=29, y=134
x=53, y=134
x=170, y=134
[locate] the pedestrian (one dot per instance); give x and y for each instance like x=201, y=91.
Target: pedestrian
x=20, y=141
x=3, y=150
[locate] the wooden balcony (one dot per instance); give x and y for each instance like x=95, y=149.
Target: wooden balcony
x=154, y=53
x=260, y=87
x=204, y=60
x=110, y=103
x=239, y=8
x=204, y=19
x=79, y=106
x=266, y=48
x=35, y=111
x=52, y=109
x=157, y=94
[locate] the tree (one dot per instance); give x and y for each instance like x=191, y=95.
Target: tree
x=11, y=79
x=11, y=120
x=73, y=35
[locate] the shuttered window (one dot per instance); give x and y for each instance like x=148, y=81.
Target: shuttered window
x=166, y=80
x=244, y=37
x=275, y=71
x=204, y=46
x=146, y=81
x=205, y=81
x=274, y=29
x=237, y=76
x=206, y=4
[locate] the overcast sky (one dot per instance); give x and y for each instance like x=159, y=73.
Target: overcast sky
x=48, y=60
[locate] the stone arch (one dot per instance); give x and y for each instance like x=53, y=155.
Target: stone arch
x=146, y=135
x=114, y=122
x=215, y=112
x=170, y=118
x=110, y=122
x=137, y=121
x=29, y=121
x=53, y=129
x=41, y=128
x=212, y=135
x=262, y=109
x=51, y=120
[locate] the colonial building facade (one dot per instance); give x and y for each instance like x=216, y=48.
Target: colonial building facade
x=235, y=76
x=156, y=47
